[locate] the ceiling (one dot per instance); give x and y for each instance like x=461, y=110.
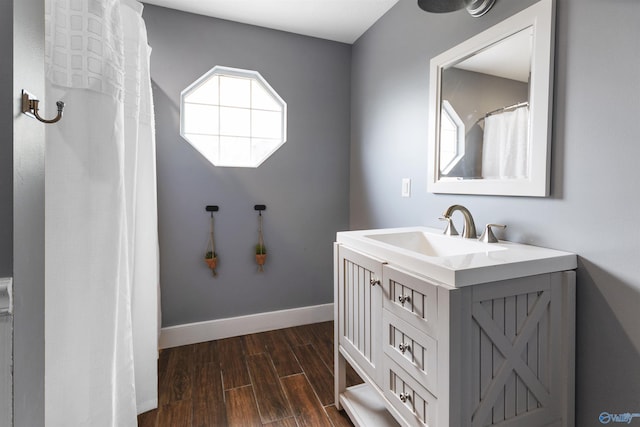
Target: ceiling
x=338, y=20
x=510, y=58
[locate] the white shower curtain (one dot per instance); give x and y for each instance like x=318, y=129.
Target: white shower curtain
x=101, y=296
x=505, y=150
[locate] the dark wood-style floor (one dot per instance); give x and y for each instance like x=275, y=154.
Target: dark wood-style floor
x=280, y=378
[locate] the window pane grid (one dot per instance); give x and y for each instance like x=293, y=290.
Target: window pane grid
x=213, y=104
x=256, y=138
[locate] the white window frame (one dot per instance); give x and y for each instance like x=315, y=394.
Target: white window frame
x=212, y=150
x=450, y=112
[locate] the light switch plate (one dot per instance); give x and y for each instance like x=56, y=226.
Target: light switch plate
x=406, y=187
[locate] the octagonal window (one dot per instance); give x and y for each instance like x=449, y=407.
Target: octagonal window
x=452, y=138
x=233, y=117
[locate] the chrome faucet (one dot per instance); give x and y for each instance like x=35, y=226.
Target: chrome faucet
x=469, y=229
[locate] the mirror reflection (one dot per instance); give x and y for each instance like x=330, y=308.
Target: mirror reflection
x=484, y=112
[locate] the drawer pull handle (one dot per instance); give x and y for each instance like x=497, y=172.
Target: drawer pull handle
x=404, y=298
x=404, y=347
x=374, y=282
x=404, y=397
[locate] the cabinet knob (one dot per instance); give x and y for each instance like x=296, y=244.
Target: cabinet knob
x=404, y=298
x=374, y=282
x=404, y=347
x=404, y=397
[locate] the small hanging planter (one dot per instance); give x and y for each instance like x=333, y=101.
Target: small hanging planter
x=261, y=249
x=212, y=260
x=210, y=256
x=261, y=256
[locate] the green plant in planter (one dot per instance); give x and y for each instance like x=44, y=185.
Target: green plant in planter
x=261, y=249
x=210, y=255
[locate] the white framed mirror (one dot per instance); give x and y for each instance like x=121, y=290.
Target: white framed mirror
x=490, y=104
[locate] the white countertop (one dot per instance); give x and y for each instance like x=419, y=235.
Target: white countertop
x=501, y=261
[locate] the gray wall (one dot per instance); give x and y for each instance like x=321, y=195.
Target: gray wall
x=6, y=206
x=6, y=147
x=473, y=94
x=304, y=184
x=28, y=214
x=594, y=206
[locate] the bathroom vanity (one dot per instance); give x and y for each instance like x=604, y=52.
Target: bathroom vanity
x=452, y=332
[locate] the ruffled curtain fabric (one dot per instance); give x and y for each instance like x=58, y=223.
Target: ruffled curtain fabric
x=102, y=280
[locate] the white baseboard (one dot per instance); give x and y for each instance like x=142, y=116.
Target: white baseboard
x=191, y=333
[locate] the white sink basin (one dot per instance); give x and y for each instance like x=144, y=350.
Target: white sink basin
x=453, y=260
x=434, y=245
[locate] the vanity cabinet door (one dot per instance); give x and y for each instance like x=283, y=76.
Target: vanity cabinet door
x=359, y=294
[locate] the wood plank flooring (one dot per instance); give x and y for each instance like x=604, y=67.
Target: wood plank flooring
x=280, y=378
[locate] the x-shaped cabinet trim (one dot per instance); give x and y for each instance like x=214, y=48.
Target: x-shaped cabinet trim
x=512, y=357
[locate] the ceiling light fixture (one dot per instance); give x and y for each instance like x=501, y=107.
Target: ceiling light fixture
x=475, y=8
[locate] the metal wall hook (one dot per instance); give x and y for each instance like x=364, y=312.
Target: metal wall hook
x=30, y=108
x=260, y=208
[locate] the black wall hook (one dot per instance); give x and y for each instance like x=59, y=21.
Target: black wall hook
x=212, y=209
x=260, y=208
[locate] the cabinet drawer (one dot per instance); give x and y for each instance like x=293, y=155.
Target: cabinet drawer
x=413, y=350
x=416, y=405
x=411, y=298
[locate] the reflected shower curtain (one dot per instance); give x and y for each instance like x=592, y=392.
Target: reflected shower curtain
x=101, y=296
x=505, y=152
